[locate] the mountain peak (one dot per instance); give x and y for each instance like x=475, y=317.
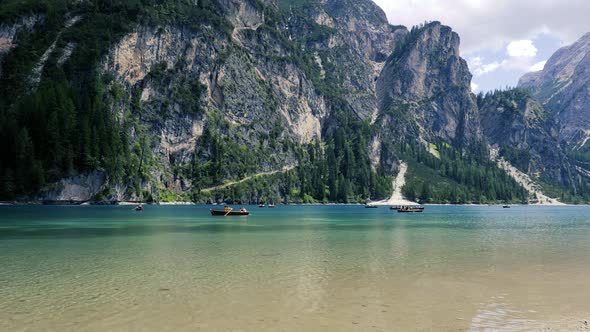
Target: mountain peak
x=561, y=66
x=426, y=75
x=563, y=87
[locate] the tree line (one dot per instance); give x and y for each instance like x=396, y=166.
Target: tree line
x=454, y=176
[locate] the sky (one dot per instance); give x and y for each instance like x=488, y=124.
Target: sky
x=500, y=39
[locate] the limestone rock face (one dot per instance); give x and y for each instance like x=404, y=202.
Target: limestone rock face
x=80, y=188
x=427, y=83
x=9, y=33
x=357, y=41
x=252, y=77
x=525, y=135
x=563, y=87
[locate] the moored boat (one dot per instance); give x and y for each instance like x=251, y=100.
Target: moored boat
x=410, y=209
x=506, y=207
x=271, y=206
x=230, y=212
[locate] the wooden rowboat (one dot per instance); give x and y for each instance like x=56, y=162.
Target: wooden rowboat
x=229, y=213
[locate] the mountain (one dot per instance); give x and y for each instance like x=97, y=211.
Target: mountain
x=525, y=135
x=426, y=83
x=563, y=87
x=563, y=90
x=243, y=101
x=429, y=118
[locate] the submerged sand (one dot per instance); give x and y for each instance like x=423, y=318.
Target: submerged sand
x=300, y=268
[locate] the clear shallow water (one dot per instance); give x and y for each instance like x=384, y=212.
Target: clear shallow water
x=294, y=268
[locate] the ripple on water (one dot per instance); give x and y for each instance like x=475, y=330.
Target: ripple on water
x=497, y=315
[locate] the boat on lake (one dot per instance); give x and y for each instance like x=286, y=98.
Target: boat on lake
x=271, y=206
x=260, y=205
x=371, y=206
x=506, y=207
x=410, y=209
x=227, y=211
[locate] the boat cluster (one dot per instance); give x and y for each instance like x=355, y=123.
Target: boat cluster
x=400, y=208
x=270, y=205
x=408, y=208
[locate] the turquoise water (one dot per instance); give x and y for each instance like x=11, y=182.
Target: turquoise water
x=293, y=268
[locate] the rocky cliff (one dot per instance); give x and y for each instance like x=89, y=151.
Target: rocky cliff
x=11, y=29
x=525, y=135
x=281, y=71
x=563, y=87
x=231, y=88
x=425, y=88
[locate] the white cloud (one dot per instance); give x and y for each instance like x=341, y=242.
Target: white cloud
x=538, y=66
x=521, y=48
x=476, y=61
x=474, y=87
x=491, y=24
x=479, y=68
x=490, y=67
x=519, y=63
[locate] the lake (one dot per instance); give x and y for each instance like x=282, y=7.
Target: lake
x=294, y=268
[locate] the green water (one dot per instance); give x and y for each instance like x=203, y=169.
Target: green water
x=294, y=268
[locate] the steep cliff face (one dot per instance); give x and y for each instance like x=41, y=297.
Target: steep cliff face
x=10, y=31
x=350, y=42
x=563, y=87
x=363, y=27
x=525, y=135
x=281, y=75
x=424, y=89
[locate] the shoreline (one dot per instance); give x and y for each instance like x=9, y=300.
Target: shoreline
x=180, y=203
